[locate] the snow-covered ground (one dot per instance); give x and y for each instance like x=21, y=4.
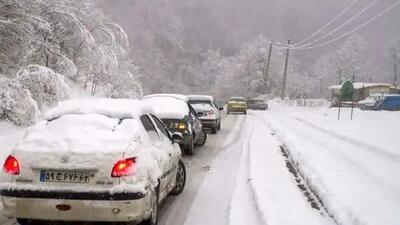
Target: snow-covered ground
x=249, y=183
x=275, y=165
x=352, y=165
x=265, y=188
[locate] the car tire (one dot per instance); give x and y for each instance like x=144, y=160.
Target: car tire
x=27, y=222
x=189, y=148
x=214, y=130
x=202, y=140
x=180, y=179
x=245, y=112
x=153, y=220
x=219, y=125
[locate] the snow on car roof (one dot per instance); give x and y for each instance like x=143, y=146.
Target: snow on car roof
x=177, y=96
x=167, y=107
x=201, y=97
x=237, y=98
x=114, y=108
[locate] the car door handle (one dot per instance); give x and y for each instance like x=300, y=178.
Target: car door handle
x=170, y=154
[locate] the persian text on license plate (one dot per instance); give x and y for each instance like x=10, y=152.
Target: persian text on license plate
x=66, y=176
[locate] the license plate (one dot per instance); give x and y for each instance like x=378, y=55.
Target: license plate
x=66, y=176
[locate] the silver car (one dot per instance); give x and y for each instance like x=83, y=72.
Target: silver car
x=208, y=111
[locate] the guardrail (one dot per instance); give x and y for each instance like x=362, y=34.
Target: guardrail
x=306, y=103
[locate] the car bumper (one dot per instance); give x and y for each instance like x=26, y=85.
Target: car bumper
x=100, y=207
x=209, y=123
x=237, y=109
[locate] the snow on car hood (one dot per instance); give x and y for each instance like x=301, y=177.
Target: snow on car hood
x=167, y=107
x=81, y=133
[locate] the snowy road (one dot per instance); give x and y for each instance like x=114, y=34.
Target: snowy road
x=240, y=177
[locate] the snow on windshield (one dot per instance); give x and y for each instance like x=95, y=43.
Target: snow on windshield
x=115, y=108
x=81, y=133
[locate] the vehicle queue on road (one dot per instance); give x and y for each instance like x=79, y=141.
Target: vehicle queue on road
x=107, y=160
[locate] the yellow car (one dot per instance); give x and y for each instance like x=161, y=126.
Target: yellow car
x=237, y=104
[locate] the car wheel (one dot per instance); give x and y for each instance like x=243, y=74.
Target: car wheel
x=180, y=179
x=201, y=139
x=189, y=148
x=153, y=220
x=219, y=125
x=245, y=112
x=28, y=222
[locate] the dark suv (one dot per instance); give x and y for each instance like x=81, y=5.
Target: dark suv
x=178, y=116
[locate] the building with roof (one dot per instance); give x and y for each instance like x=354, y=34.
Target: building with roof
x=363, y=91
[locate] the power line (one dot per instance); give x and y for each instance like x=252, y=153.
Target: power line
x=354, y=30
x=343, y=25
x=328, y=24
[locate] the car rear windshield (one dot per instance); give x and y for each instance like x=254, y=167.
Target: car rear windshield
x=201, y=106
x=237, y=100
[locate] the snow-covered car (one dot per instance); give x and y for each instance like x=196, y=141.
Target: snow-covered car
x=257, y=104
x=175, y=111
x=368, y=103
x=93, y=160
x=237, y=104
x=208, y=111
x=389, y=102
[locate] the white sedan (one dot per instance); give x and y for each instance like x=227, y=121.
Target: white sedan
x=93, y=160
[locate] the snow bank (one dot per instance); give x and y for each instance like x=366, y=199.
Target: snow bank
x=353, y=165
x=46, y=87
x=167, y=107
x=16, y=103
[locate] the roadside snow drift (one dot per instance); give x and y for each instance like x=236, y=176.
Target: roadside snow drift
x=353, y=165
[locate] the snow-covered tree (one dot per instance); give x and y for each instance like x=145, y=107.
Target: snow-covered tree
x=45, y=43
x=350, y=59
x=394, y=55
x=46, y=87
x=16, y=104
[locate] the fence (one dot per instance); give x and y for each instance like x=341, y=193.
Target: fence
x=308, y=103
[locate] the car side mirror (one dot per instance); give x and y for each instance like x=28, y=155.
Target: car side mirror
x=177, y=137
x=221, y=108
x=199, y=114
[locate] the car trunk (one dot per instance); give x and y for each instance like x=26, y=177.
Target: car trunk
x=73, y=150
x=55, y=169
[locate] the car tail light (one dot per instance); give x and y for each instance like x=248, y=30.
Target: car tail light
x=11, y=165
x=124, y=167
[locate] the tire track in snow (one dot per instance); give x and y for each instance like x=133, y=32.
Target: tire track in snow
x=300, y=179
x=244, y=194
x=336, y=152
x=370, y=148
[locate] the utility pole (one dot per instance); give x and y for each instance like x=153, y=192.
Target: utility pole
x=395, y=74
x=285, y=70
x=266, y=72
